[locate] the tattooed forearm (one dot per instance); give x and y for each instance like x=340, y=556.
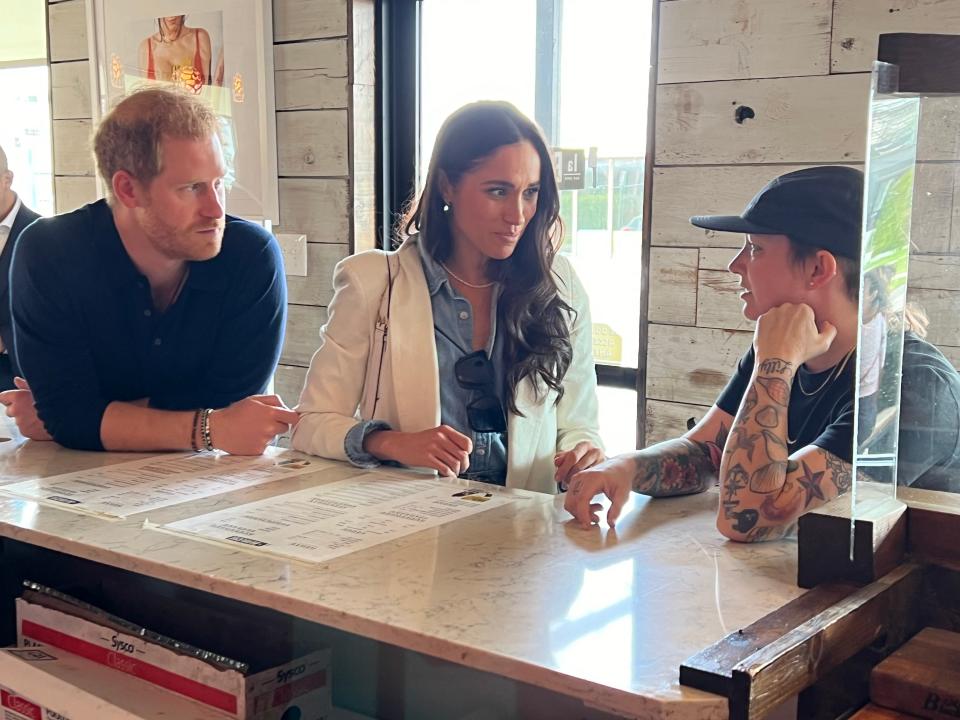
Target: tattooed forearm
x=769, y=417
x=678, y=467
x=758, y=495
x=740, y=440
x=841, y=473
x=771, y=476
x=810, y=482
x=761, y=534
x=674, y=467
x=775, y=366
x=777, y=389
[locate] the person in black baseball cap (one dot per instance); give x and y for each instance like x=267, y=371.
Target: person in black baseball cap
x=779, y=438
x=819, y=207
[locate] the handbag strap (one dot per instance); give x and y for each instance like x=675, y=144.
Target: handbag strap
x=385, y=320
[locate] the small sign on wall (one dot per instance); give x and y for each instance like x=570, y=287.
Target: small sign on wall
x=570, y=166
x=607, y=345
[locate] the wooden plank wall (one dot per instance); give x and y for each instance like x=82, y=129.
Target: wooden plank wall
x=324, y=93
x=803, y=67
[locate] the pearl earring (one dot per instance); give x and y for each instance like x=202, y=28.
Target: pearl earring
x=447, y=207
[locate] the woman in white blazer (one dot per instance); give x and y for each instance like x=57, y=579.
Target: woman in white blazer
x=468, y=350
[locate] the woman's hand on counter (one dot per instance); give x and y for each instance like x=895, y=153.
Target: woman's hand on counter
x=441, y=448
x=569, y=462
x=611, y=478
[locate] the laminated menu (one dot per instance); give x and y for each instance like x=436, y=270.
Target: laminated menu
x=327, y=521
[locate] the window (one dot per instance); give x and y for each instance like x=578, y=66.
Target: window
x=25, y=89
x=581, y=69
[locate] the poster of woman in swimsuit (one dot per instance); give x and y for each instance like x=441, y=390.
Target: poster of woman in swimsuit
x=181, y=54
x=221, y=51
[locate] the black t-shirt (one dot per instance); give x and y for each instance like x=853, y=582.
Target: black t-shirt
x=928, y=451
x=821, y=406
x=929, y=440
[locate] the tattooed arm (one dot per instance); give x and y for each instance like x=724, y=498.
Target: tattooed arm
x=763, y=490
x=685, y=465
x=681, y=466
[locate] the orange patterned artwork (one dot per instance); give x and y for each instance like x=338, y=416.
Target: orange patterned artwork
x=238, y=88
x=188, y=78
x=116, y=71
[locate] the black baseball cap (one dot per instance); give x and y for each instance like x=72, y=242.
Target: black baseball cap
x=820, y=206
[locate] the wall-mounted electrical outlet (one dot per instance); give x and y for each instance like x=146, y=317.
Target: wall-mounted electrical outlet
x=294, y=249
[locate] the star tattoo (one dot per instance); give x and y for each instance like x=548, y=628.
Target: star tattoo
x=810, y=482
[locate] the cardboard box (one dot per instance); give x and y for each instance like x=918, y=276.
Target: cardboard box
x=303, y=684
x=44, y=683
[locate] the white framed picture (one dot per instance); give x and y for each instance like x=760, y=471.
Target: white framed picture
x=219, y=50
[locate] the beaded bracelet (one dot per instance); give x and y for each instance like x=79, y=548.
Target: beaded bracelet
x=193, y=435
x=205, y=429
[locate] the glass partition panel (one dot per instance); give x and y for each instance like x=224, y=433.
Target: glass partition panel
x=908, y=400
x=887, y=202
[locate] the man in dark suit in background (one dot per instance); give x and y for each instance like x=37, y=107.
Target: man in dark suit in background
x=14, y=217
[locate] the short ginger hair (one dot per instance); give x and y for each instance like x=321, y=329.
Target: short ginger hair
x=129, y=136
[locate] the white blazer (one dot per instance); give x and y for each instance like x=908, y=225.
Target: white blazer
x=341, y=383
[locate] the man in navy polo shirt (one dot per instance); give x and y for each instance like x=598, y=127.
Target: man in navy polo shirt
x=151, y=320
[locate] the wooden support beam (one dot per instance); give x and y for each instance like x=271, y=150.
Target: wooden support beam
x=885, y=610
x=711, y=669
x=879, y=538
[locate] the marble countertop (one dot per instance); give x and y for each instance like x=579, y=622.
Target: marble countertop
x=605, y=616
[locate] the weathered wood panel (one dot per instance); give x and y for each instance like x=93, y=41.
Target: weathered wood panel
x=943, y=309
x=679, y=192
x=317, y=287
x=933, y=207
x=363, y=37
x=312, y=143
x=309, y=19
x=673, y=286
x=303, y=334
x=68, y=31
x=734, y=40
x=70, y=90
x=796, y=120
x=320, y=208
x=716, y=258
x=939, y=137
x=718, y=301
x=667, y=420
x=857, y=23
x=71, y=147
x=288, y=382
x=690, y=364
x=926, y=667
x=364, y=168
x=311, y=75
x=72, y=192
x=935, y=272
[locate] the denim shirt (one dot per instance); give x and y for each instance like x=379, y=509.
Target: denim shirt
x=453, y=320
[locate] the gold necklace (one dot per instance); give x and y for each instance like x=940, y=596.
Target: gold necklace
x=834, y=374
x=468, y=284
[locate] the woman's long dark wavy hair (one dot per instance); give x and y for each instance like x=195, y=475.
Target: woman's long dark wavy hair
x=530, y=310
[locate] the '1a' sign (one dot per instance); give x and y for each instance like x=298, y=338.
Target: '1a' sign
x=570, y=166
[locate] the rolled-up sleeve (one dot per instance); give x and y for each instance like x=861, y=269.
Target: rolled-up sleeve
x=52, y=347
